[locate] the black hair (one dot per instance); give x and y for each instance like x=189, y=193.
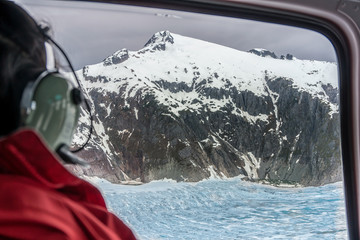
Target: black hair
x=22, y=59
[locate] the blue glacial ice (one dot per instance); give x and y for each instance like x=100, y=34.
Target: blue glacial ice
x=228, y=209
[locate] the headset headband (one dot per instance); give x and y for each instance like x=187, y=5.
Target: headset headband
x=50, y=57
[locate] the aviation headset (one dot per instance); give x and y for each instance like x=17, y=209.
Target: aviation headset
x=51, y=105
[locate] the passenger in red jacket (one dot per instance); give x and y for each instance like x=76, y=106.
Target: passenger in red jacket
x=39, y=198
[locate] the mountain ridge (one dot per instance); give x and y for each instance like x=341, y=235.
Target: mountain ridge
x=184, y=96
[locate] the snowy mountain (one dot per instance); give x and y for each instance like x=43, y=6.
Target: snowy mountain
x=186, y=109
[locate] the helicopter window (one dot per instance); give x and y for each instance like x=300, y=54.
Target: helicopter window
x=206, y=126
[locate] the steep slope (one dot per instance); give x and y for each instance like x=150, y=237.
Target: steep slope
x=187, y=109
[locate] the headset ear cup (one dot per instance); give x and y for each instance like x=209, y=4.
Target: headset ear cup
x=56, y=114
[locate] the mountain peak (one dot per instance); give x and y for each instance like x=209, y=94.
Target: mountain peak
x=116, y=58
x=159, y=40
x=266, y=53
x=263, y=52
x=287, y=57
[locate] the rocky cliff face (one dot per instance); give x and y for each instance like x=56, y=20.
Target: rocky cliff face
x=186, y=109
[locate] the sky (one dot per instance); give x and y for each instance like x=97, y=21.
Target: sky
x=89, y=32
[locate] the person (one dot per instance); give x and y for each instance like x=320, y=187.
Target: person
x=39, y=198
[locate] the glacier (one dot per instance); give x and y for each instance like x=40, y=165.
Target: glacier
x=227, y=209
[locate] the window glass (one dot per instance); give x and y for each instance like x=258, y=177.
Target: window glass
x=206, y=127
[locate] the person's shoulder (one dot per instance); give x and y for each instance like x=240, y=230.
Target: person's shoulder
x=23, y=194
x=17, y=192
x=27, y=207
x=23, y=199
x=8, y=182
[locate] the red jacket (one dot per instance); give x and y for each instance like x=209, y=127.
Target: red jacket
x=40, y=199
